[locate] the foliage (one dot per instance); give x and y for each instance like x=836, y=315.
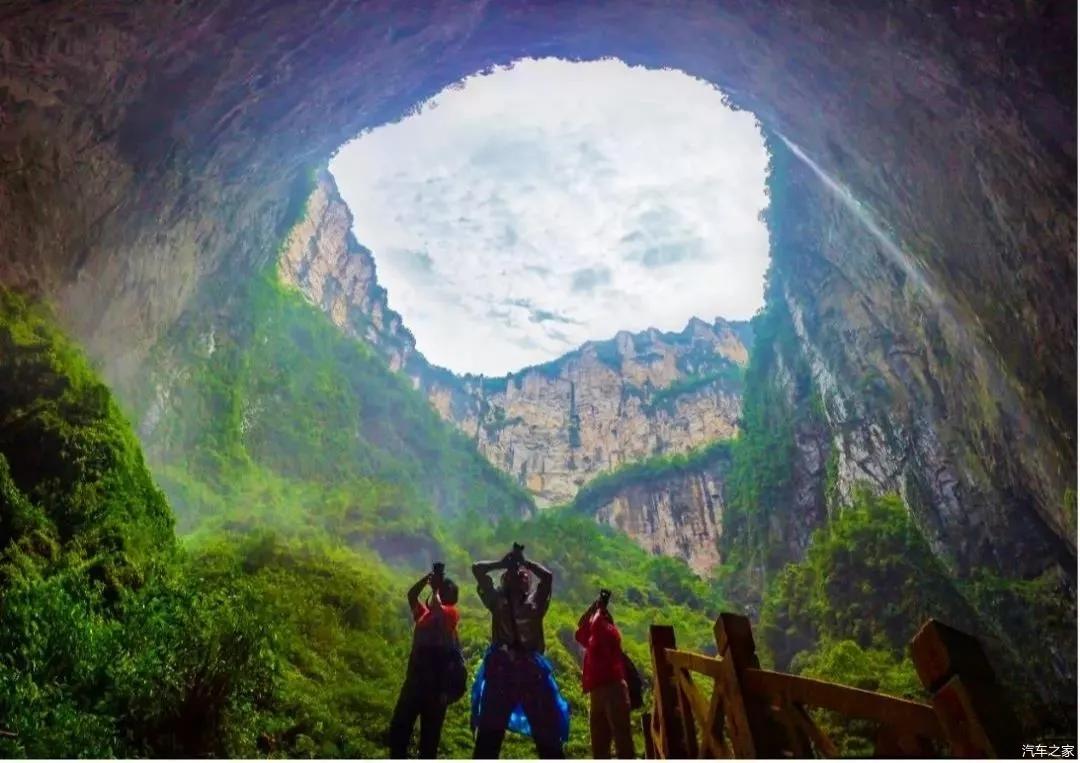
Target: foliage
x=835, y=592
x=71, y=469
x=763, y=454
x=780, y=399
x=104, y=647
x=499, y=421
x=284, y=394
x=827, y=617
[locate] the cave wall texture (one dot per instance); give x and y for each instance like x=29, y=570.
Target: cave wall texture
x=147, y=146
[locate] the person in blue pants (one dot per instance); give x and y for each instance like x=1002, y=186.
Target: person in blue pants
x=515, y=687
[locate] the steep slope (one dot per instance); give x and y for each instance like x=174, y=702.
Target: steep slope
x=258, y=391
x=552, y=427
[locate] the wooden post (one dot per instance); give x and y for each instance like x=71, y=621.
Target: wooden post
x=753, y=733
x=646, y=731
x=671, y=742
x=972, y=709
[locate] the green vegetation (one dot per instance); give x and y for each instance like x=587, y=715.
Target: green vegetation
x=498, y=422
x=762, y=456
x=314, y=486
x=71, y=473
x=835, y=593
x=105, y=648
x=780, y=399
x=286, y=413
x=878, y=670
x=827, y=617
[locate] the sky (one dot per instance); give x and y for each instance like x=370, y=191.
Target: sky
x=521, y=213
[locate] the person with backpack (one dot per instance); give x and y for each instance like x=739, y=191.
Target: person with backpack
x=605, y=674
x=515, y=688
x=436, y=674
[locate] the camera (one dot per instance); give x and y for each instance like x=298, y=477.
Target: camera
x=438, y=569
x=605, y=596
x=517, y=556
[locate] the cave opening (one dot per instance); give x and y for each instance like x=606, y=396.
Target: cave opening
x=149, y=159
x=528, y=209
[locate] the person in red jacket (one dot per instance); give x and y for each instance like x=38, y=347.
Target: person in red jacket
x=603, y=678
x=434, y=632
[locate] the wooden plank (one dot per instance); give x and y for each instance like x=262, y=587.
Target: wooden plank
x=910, y=717
x=821, y=741
x=958, y=706
x=670, y=742
x=731, y=635
x=717, y=725
x=941, y=652
x=698, y=663
x=889, y=742
x=799, y=745
x=687, y=713
x=974, y=711
x=700, y=708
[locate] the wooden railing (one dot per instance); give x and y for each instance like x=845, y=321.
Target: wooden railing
x=751, y=712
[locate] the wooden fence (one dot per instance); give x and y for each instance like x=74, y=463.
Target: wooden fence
x=755, y=713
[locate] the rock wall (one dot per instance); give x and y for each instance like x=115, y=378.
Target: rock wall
x=321, y=257
x=680, y=516
x=552, y=427
x=908, y=394
x=915, y=394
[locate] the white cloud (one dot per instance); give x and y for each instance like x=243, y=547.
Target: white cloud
x=551, y=203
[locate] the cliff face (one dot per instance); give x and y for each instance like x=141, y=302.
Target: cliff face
x=891, y=384
x=552, y=427
x=322, y=258
x=677, y=511
x=610, y=403
x=916, y=396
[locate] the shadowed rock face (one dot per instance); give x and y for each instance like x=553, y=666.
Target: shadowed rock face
x=145, y=144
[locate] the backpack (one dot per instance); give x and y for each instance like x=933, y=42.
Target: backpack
x=633, y=683
x=455, y=676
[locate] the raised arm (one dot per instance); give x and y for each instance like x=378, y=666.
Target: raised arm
x=587, y=615
x=543, y=589
x=581, y=635
x=414, y=592
x=480, y=570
